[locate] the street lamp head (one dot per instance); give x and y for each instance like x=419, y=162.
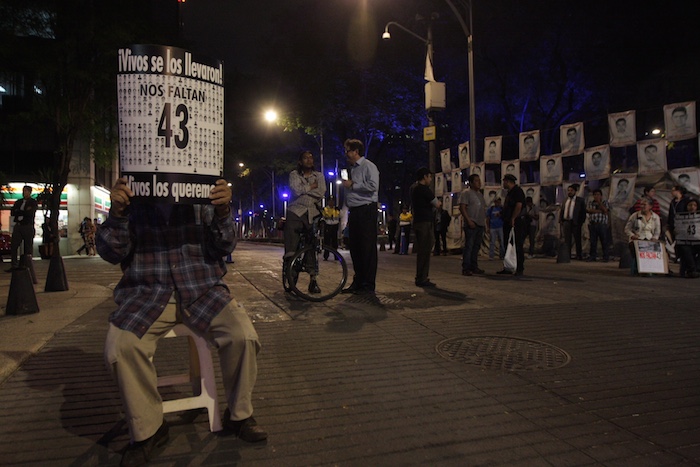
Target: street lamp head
x=386, y=36
x=271, y=116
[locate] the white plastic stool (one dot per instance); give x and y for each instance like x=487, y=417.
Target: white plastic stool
x=201, y=377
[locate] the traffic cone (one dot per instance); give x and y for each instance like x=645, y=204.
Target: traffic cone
x=25, y=261
x=56, y=276
x=564, y=253
x=21, y=299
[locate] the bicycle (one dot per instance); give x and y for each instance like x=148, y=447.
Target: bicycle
x=325, y=278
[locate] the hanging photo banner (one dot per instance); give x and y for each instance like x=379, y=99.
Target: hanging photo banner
x=445, y=162
x=622, y=126
x=464, y=156
x=529, y=145
x=171, y=123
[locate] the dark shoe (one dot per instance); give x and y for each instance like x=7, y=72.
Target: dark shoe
x=351, y=289
x=314, y=288
x=518, y=273
x=247, y=430
x=466, y=272
x=478, y=271
x=140, y=453
x=425, y=284
x=693, y=275
x=590, y=260
x=504, y=271
x=363, y=291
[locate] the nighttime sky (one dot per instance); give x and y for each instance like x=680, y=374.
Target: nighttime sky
x=638, y=56
x=601, y=31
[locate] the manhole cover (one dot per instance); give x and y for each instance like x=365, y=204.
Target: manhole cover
x=503, y=353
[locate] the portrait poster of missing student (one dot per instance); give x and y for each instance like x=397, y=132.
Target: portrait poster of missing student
x=171, y=123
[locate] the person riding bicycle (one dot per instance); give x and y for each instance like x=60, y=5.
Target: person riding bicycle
x=308, y=187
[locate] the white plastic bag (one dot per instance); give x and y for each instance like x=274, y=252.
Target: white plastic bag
x=510, y=260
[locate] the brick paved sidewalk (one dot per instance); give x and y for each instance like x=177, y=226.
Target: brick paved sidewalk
x=612, y=377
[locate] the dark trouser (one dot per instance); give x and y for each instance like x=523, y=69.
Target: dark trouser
x=520, y=231
x=363, y=244
x=404, y=239
x=330, y=237
x=599, y=232
x=292, y=232
x=22, y=234
x=472, y=245
x=689, y=259
x=573, y=230
x=423, y=246
x=391, y=236
x=531, y=233
x=440, y=237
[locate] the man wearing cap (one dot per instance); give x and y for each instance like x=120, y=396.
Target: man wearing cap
x=513, y=219
x=23, y=232
x=423, y=201
x=572, y=218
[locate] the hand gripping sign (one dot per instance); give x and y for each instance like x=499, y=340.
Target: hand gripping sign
x=171, y=123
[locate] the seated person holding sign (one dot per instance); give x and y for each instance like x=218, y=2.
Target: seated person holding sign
x=642, y=225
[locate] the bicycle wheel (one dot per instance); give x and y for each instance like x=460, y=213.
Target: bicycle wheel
x=285, y=279
x=308, y=265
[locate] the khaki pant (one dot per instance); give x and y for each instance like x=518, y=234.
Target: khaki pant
x=130, y=360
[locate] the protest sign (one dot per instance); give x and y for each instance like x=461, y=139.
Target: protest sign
x=171, y=123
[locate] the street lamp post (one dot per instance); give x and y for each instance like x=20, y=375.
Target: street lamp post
x=429, y=44
x=467, y=5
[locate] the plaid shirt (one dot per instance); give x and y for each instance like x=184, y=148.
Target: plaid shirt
x=598, y=217
x=166, y=250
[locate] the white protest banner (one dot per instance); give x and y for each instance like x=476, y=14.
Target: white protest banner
x=171, y=123
x=686, y=228
x=651, y=257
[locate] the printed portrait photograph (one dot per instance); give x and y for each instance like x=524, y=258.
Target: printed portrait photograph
x=445, y=161
x=622, y=126
x=457, y=184
x=492, y=149
x=439, y=184
x=622, y=190
x=511, y=168
x=688, y=178
x=477, y=169
x=529, y=145
x=679, y=120
x=464, y=155
x=571, y=139
x=532, y=191
x=551, y=172
x=651, y=157
x=596, y=162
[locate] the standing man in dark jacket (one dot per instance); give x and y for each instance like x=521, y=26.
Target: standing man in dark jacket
x=423, y=201
x=23, y=212
x=442, y=222
x=513, y=219
x=572, y=218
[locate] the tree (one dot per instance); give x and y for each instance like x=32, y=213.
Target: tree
x=69, y=48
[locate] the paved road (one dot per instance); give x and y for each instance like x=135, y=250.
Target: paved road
x=574, y=364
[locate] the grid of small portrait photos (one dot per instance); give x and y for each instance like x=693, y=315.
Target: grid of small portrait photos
x=170, y=124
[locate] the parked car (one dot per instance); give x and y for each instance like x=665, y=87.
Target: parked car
x=5, y=240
